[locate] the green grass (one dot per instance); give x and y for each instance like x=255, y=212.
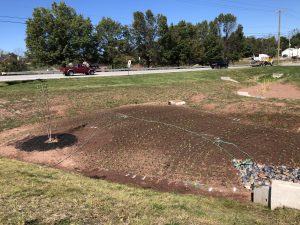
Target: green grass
x=90, y=94
x=32, y=194
x=59, y=86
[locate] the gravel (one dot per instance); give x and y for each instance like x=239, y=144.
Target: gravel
x=254, y=175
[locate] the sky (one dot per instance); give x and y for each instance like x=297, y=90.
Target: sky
x=259, y=17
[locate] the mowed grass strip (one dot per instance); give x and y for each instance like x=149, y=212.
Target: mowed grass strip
x=32, y=194
x=27, y=88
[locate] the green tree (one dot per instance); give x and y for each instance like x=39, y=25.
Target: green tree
x=165, y=43
x=145, y=34
x=186, y=43
x=58, y=35
x=295, y=40
x=202, y=32
x=12, y=64
x=227, y=24
x=235, y=44
x=113, y=41
x=284, y=43
x=213, y=43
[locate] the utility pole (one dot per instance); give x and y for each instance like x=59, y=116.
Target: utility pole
x=279, y=27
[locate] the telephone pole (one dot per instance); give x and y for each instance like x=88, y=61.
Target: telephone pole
x=279, y=27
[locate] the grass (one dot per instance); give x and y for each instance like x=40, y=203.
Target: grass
x=32, y=194
x=89, y=94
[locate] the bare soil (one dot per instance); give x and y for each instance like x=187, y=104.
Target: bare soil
x=166, y=148
x=198, y=98
x=274, y=90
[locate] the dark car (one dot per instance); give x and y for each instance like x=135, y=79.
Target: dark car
x=80, y=68
x=218, y=64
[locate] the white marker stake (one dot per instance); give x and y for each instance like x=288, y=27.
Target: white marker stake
x=128, y=65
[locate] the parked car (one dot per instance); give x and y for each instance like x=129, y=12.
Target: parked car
x=80, y=68
x=219, y=64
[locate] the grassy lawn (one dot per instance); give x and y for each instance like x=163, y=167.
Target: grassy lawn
x=19, y=99
x=32, y=194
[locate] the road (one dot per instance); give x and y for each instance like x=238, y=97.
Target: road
x=99, y=74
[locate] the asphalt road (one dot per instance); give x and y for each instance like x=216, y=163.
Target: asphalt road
x=99, y=74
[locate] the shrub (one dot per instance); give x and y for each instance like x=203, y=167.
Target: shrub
x=12, y=65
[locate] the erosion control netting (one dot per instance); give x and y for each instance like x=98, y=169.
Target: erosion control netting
x=166, y=143
x=177, y=143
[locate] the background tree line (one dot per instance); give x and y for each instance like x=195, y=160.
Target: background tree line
x=60, y=35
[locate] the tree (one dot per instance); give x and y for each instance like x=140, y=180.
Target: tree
x=202, y=32
x=113, y=42
x=284, y=43
x=295, y=40
x=109, y=34
x=213, y=43
x=165, y=43
x=235, y=44
x=186, y=44
x=9, y=63
x=58, y=35
x=145, y=35
x=255, y=46
x=227, y=24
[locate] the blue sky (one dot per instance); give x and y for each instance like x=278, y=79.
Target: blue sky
x=258, y=17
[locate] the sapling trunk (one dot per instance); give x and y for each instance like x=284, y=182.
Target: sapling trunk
x=44, y=106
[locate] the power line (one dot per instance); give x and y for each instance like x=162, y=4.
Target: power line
x=14, y=17
x=214, y=4
x=9, y=21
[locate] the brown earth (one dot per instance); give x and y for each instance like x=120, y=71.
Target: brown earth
x=161, y=147
x=274, y=90
x=198, y=98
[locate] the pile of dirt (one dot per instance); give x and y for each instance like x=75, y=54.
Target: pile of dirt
x=167, y=148
x=273, y=90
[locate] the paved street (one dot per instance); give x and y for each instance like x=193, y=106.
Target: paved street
x=6, y=78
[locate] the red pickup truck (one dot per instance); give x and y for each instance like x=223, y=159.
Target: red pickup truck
x=80, y=68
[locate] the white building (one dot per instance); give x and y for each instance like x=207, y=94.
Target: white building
x=291, y=52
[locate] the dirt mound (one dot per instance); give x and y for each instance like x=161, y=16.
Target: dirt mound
x=168, y=148
x=273, y=90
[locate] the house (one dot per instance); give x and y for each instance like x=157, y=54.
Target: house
x=291, y=53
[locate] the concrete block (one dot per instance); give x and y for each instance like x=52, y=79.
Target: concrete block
x=176, y=102
x=261, y=195
x=277, y=75
x=229, y=79
x=285, y=194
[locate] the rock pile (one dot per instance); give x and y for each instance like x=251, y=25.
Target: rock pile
x=253, y=174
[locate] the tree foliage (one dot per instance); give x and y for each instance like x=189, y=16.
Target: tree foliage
x=113, y=42
x=145, y=32
x=12, y=64
x=59, y=35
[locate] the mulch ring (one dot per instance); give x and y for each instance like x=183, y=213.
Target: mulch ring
x=172, y=149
